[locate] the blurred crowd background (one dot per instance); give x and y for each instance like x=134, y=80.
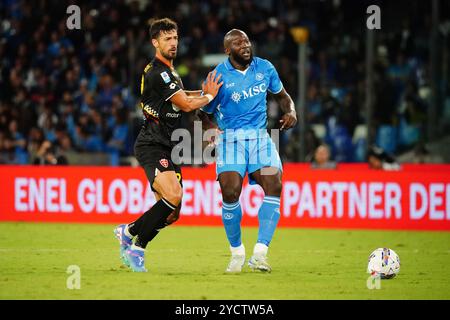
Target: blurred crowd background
x=72, y=96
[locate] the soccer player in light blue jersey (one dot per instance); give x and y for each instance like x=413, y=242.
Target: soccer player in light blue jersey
x=240, y=111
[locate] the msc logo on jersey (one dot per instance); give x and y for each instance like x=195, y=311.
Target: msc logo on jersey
x=249, y=93
x=236, y=97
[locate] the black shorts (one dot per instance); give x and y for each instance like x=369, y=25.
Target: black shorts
x=156, y=158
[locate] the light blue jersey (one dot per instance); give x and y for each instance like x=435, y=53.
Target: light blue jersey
x=242, y=100
x=240, y=110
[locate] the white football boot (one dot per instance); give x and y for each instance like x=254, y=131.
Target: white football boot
x=237, y=259
x=259, y=259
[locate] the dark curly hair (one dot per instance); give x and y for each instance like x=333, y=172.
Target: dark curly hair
x=165, y=24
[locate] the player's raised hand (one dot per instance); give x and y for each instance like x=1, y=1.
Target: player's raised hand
x=288, y=120
x=212, y=84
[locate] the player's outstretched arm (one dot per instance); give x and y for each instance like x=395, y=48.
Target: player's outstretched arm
x=289, y=118
x=193, y=93
x=210, y=88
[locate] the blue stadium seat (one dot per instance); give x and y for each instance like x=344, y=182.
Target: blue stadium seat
x=386, y=138
x=408, y=134
x=343, y=149
x=360, y=150
x=341, y=144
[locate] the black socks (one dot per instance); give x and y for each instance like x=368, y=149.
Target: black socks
x=149, y=224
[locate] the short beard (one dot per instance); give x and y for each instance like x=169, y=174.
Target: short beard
x=241, y=61
x=167, y=56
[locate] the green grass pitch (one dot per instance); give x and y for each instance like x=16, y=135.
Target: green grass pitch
x=189, y=263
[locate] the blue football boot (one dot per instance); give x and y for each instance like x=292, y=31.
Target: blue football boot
x=136, y=259
x=125, y=242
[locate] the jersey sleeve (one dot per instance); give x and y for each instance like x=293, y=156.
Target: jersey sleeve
x=166, y=84
x=275, y=85
x=145, y=84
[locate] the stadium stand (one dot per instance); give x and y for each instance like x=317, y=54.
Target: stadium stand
x=68, y=91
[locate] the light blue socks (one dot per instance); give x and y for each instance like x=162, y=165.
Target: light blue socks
x=268, y=215
x=231, y=217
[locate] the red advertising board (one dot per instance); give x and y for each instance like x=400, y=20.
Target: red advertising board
x=415, y=198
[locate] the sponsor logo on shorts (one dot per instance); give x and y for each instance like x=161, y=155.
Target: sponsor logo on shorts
x=164, y=163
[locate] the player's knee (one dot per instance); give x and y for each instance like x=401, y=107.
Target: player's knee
x=273, y=188
x=230, y=194
x=174, y=194
x=276, y=189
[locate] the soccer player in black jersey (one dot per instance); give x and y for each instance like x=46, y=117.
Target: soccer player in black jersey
x=163, y=101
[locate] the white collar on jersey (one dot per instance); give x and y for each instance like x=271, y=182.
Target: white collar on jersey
x=243, y=72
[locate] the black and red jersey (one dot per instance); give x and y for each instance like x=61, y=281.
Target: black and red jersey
x=159, y=83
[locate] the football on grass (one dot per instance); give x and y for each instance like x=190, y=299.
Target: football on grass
x=384, y=262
